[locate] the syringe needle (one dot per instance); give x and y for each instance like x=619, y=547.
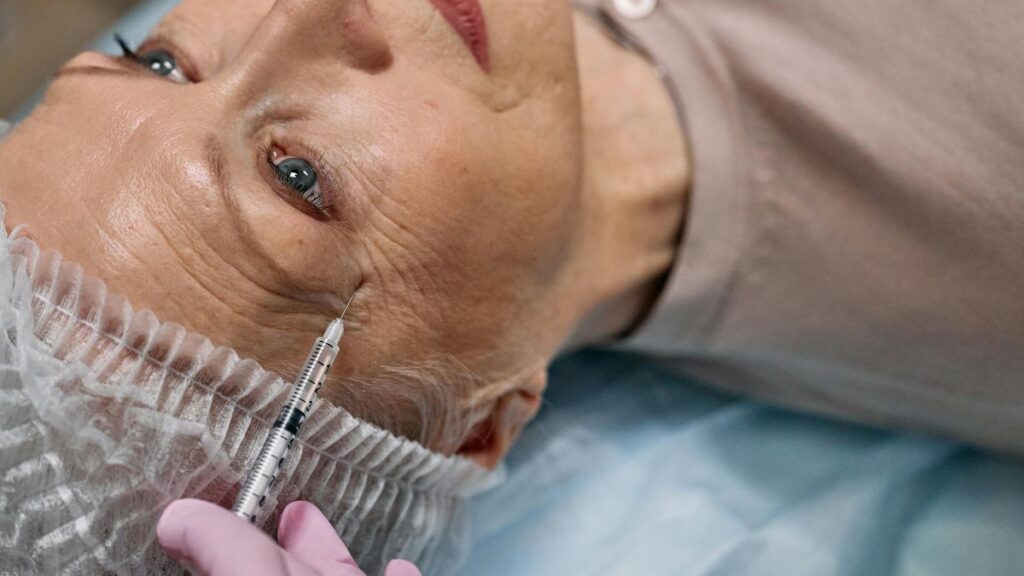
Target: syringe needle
x=345, y=311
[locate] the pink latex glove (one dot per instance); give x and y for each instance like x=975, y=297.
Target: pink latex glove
x=218, y=543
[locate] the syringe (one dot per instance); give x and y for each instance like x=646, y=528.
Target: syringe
x=286, y=427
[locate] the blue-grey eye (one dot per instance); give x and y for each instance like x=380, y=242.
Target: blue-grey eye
x=159, y=62
x=301, y=177
x=162, y=63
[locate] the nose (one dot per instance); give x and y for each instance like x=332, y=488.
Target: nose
x=298, y=36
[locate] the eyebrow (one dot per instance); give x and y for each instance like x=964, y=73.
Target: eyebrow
x=213, y=156
x=215, y=159
x=96, y=71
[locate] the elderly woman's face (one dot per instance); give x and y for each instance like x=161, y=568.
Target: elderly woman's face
x=295, y=153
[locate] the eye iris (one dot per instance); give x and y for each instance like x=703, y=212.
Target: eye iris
x=297, y=173
x=159, y=62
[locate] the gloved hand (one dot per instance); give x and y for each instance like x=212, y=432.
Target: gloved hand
x=218, y=543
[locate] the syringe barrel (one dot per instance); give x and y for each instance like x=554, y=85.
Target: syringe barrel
x=263, y=473
x=274, y=450
x=312, y=377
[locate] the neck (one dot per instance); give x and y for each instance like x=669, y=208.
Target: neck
x=635, y=179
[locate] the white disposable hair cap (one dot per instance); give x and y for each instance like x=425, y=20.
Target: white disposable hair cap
x=107, y=415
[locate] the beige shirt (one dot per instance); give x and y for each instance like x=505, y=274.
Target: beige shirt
x=855, y=239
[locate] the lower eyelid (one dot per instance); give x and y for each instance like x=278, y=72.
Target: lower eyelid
x=316, y=197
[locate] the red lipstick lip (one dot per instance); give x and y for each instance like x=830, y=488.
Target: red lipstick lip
x=467, y=18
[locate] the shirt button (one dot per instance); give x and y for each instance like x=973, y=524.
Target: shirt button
x=635, y=9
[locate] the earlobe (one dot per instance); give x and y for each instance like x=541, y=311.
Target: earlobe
x=491, y=438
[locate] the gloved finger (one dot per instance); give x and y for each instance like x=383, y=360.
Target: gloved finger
x=218, y=543
x=401, y=568
x=307, y=534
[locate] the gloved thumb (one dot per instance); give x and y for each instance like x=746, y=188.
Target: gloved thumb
x=401, y=568
x=307, y=534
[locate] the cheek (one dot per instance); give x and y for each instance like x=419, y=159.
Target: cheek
x=531, y=39
x=454, y=262
x=465, y=214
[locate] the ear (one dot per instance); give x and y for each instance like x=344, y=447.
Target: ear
x=490, y=439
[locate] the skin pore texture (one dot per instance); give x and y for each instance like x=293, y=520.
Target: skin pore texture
x=480, y=220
